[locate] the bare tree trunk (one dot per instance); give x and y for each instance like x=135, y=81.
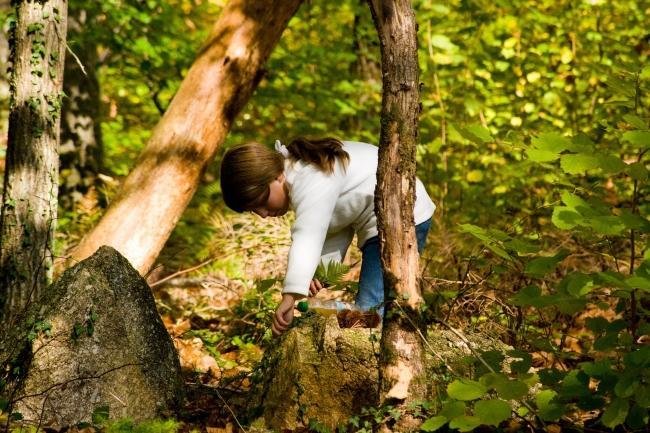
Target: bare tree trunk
x=217, y=86
x=29, y=205
x=401, y=364
x=81, y=152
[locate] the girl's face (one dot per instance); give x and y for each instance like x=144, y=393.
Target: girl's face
x=277, y=203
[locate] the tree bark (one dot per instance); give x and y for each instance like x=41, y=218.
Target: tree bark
x=29, y=202
x=401, y=364
x=217, y=86
x=81, y=152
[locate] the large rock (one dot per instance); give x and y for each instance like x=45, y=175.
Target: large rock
x=320, y=372
x=106, y=347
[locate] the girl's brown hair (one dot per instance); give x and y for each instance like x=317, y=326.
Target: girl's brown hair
x=247, y=170
x=322, y=152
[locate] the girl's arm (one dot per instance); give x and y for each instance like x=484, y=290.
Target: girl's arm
x=314, y=195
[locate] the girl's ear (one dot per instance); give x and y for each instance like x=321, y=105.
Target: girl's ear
x=280, y=178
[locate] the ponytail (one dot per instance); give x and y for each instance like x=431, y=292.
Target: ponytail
x=322, y=152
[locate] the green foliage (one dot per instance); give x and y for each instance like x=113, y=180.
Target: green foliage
x=152, y=426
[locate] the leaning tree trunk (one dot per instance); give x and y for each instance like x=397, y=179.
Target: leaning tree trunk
x=401, y=364
x=217, y=86
x=81, y=152
x=29, y=206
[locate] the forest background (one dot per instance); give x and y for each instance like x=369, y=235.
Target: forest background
x=533, y=138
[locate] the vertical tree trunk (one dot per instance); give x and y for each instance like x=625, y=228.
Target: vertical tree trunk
x=217, y=86
x=29, y=203
x=401, y=364
x=81, y=152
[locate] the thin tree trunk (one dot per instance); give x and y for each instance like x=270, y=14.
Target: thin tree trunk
x=81, y=152
x=29, y=205
x=401, y=364
x=216, y=88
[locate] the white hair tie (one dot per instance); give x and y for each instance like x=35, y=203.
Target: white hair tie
x=279, y=147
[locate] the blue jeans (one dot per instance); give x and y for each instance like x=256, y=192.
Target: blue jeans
x=371, y=280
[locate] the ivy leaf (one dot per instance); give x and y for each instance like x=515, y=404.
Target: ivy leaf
x=433, y=423
x=465, y=389
x=615, y=413
x=492, y=412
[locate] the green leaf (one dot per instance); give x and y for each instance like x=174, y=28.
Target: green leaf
x=465, y=389
x=551, y=142
x=452, y=409
x=606, y=225
x=615, y=413
x=627, y=385
x=476, y=134
x=465, y=423
x=578, y=163
x=565, y=217
x=512, y=389
x=636, y=282
x=637, y=171
x=433, y=423
x=443, y=42
x=492, y=412
x=521, y=247
x=548, y=410
x=543, y=265
x=610, y=164
x=525, y=362
x=100, y=414
x=637, y=419
x=635, y=121
x=537, y=155
x=578, y=284
x=637, y=138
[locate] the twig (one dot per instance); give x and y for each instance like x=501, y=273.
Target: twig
x=77, y=59
x=230, y=410
x=186, y=271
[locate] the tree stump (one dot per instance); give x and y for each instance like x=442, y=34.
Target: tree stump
x=318, y=372
x=93, y=344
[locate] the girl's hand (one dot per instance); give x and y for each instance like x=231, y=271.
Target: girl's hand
x=314, y=287
x=283, y=315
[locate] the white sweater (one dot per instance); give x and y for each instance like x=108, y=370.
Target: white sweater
x=331, y=208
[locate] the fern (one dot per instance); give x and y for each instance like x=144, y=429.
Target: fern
x=332, y=276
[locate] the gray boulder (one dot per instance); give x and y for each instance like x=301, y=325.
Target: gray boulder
x=94, y=343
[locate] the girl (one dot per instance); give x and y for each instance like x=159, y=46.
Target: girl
x=331, y=187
